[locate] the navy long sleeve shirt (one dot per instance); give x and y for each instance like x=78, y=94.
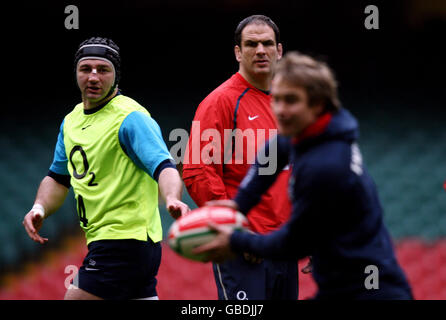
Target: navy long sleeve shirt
x=336, y=218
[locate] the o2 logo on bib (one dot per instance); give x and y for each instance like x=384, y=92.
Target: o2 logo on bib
x=79, y=173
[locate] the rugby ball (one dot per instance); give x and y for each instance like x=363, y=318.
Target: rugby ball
x=191, y=230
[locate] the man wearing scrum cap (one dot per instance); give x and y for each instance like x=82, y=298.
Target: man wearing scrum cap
x=112, y=153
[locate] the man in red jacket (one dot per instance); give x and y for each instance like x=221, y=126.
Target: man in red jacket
x=230, y=126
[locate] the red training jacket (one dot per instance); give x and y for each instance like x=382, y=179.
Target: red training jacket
x=208, y=175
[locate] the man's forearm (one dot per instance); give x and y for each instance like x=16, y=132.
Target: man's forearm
x=51, y=195
x=170, y=184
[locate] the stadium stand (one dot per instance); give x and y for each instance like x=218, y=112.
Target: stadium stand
x=25, y=160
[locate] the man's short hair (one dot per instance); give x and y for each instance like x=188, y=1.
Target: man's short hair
x=316, y=77
x=257, y=19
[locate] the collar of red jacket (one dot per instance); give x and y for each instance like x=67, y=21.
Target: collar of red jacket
x=314, y=129
x=247, y=84
x=243, y=80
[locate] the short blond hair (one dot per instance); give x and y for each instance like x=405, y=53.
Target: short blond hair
x=316, y=77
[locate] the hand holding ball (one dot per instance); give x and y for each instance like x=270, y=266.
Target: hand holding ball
x=192, y=230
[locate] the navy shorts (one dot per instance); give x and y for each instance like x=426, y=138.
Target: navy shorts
x=120, y=269
x=239, y=279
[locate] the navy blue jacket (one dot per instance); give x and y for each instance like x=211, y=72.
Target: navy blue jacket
x=337, y=216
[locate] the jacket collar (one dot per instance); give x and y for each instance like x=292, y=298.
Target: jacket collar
x=314, y=129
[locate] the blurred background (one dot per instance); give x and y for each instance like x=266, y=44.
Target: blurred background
x=176, y=52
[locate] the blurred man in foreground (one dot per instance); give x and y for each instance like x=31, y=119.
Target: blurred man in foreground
x=337, y=216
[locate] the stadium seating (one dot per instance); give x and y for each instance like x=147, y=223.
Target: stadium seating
x=408, y=169
x=26, y=161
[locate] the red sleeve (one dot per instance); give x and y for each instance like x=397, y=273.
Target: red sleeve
x=203, y=161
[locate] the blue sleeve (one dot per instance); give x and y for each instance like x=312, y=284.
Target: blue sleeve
x=294, y=240
x=280, y=244
x=256, y=181
x=60, y=161
x=141, y=139
x=322, y=194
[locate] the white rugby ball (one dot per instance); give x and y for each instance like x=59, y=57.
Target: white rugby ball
x=191, y=230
